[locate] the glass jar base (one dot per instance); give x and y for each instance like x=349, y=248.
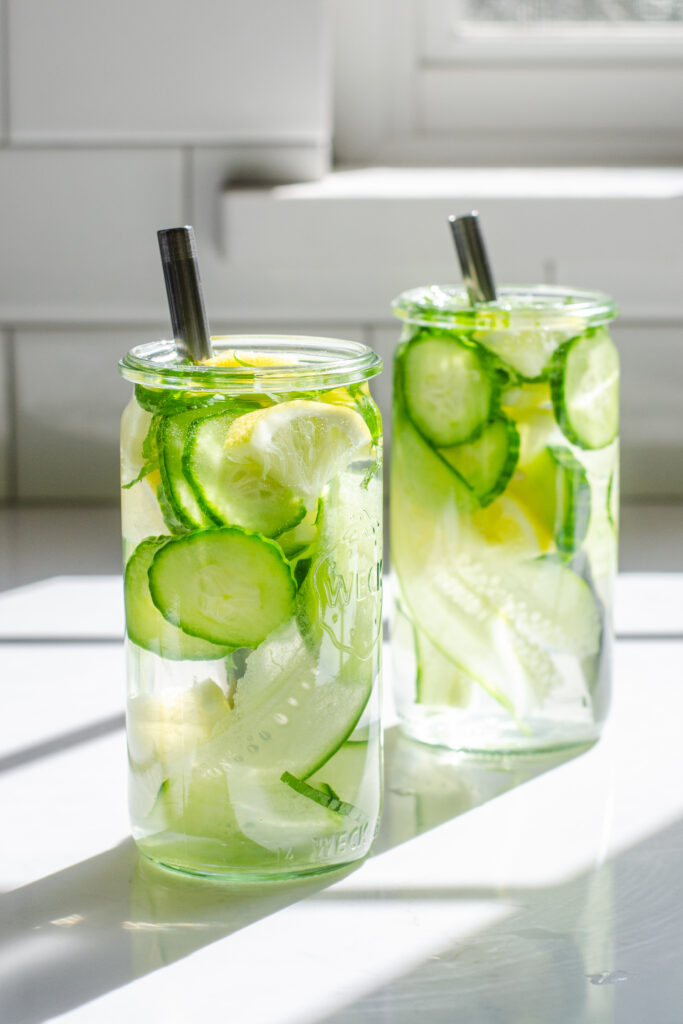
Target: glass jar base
x=487, y=735
x=206, y=858
x=242, y=874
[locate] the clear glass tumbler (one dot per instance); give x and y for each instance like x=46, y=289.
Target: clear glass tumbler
x=504, y=509
x=252, y=534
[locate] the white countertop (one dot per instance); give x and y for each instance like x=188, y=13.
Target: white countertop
x=534, y=891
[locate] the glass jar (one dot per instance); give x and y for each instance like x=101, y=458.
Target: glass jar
x=252, y=535
x=504, y=516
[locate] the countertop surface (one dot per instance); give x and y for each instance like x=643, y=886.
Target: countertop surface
x=524, y=890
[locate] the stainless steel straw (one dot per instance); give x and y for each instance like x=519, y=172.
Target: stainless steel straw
x=474, y=263
x=183, y=287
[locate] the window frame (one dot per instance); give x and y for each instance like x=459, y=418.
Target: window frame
x=399, y=87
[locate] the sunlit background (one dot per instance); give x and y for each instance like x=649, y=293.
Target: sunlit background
x=318, y=149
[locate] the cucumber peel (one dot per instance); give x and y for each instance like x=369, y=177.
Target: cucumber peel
x=235, y=492
x=325, y=796
x=487, y=463
x=145, y=624
x=449, y=390
x=226, y=585
x=584, y=385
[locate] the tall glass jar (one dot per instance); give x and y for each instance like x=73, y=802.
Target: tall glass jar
x=252, y=535
x=504, y=507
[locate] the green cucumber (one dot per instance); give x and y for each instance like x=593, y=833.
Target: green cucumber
x=300, y=537
x=145, y=624
x=232, y=492
x=440, y=681
x=170, y=441
x=488, y=462
x=289, y=713
x=325, y=797
x=226, y=585
x=449, y=391
x=339, y=604
x=585, y=389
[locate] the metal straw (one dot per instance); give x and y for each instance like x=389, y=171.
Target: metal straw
x=474, y=263
x=183, y=287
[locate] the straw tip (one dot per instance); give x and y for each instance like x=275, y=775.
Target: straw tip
x=177, y=243
x=453, y=219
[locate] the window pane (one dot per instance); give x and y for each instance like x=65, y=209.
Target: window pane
x=549, y=12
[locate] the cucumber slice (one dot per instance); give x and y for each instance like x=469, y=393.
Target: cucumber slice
x=440, y=681
x=585, y=389
x=340, y=603
x=449, y=392
x=289, y=713
x=325, y=797
x=235, y=492
x=229, y=586
x=295, y=541
x=554, y=488
x=488, y=462
x=171, y=439
x=145, y=625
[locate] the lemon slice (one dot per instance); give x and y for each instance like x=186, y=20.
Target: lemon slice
x=247, y=358
x=300, y=444
x=511, y=524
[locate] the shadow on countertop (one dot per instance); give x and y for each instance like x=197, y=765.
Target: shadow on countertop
x=73, y=936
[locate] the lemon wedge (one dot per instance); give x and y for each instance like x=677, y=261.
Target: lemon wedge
x=300, y=444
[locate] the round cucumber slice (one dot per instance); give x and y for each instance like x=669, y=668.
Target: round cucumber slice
x=488, y=462
x=235, y=491
x=585, y=389
x=171, y=439
x=228, y=586
x=145, y=624
x=449, y=392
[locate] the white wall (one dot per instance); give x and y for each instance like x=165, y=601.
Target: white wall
x=118, y=119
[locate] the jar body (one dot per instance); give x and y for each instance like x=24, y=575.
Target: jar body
x=504, y=511
x=252, y=548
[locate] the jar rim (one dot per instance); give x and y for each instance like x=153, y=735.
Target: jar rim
x=311, y=364
x=516, y=307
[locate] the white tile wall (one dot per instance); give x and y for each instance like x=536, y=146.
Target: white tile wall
x=211, y=169
x=356, y=253
x=651, y=408
x=5, y=424
x=4, y=70
x=69, y=403
x=78, y=232
x=168, y=69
